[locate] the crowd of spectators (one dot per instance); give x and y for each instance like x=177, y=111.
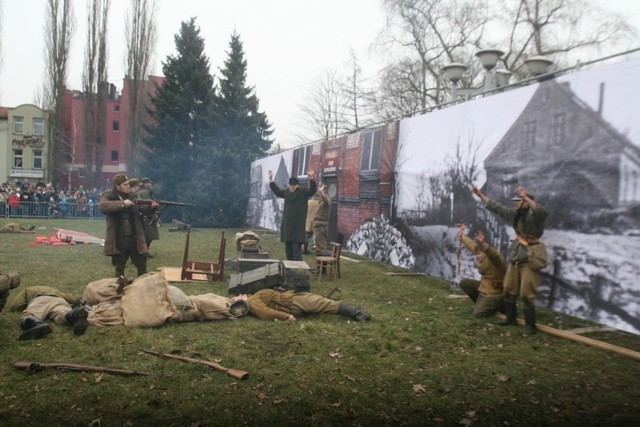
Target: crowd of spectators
x=40, y=199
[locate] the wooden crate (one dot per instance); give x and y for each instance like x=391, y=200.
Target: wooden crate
x=296, y=276
x=250, y=282
x=248, y=264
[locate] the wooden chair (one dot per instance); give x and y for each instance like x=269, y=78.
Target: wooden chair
x=214, y=271
x=329, y=264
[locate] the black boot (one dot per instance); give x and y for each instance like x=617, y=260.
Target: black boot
x=77, y=317
x=35, y=329
x=530, y=321
x=353, y=312
x=511, y=310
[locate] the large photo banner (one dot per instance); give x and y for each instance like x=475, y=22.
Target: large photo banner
x=574, y=142
x=265, y=209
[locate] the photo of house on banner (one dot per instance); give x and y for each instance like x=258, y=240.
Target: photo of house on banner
x=574, y=142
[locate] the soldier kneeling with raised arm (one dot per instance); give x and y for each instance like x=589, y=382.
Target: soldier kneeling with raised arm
x=41, y=302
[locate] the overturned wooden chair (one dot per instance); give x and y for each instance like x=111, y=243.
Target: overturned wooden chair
x=214, y=271
x=329, y=264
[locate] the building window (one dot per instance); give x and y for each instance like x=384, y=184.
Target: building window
x=529, y=134
x=18, y=156
x=558, y=128
x=116, y=107
x=37, y=159
x=38, y=126
x=82, y=173
x=18, y=125
x=114, y=155
x=302, y=156
x=115, y=125
x=371, y=151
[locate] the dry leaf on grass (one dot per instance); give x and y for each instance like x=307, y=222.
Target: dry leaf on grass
x=335, y=354
x=502, y=378
x=98, y=376
x=419, y=388
x=95, y=423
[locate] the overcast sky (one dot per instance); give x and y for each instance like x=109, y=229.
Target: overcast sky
x=287, y=43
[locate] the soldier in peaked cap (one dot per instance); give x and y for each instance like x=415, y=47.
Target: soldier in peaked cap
x=527, y=254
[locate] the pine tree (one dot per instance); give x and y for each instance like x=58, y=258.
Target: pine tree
x=182, y=117
x=242, y=136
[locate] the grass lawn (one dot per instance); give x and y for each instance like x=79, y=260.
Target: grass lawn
x=422, y=360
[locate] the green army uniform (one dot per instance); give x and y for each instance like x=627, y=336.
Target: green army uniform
x=150, y=223
x=321, y=224
x=485, y=293
x=43, y=302
x=527, y=255
x=268, y=304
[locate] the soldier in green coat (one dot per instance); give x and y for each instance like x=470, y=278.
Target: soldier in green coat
x=150, y=223
x=292, y=230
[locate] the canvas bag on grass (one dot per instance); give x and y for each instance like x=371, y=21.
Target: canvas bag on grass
x=146, y=303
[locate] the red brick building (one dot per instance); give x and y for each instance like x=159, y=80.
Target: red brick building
x=115, y=135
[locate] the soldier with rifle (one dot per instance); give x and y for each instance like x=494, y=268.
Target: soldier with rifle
x=150, y=223
x=125, y=234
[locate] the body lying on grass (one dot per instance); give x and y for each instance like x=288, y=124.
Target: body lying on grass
x=149, y=301
x=269, y=304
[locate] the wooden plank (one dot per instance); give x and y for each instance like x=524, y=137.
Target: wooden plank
x=391, y=273
x=584, y=340
x=588, y=329
x=245, y=264
x=253, y=255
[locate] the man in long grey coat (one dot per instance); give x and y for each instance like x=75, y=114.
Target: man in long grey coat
x=292, y=230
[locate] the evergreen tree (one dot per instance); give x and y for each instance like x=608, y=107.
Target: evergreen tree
x=183, y=121
x=242, y=136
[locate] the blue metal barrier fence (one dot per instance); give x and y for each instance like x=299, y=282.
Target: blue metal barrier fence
x=71, y=210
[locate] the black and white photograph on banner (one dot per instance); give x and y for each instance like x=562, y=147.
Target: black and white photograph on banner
x=574, y=143
x=265, y=209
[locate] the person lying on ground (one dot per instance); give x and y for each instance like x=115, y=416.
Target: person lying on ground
x=270, y=304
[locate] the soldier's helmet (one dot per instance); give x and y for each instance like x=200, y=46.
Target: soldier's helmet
x=239, y=309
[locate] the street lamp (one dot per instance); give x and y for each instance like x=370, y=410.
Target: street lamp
x=493, y=79
x=538, y=65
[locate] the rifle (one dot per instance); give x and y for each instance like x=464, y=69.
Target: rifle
x=331, y=292
x=164, y=203
x=459, y=249
x=234, y=373
x=37, y=367
x=160, y=202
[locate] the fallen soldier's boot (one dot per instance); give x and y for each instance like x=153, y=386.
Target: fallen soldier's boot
x=35, y=329
x=78, y=318
x=353, y=312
